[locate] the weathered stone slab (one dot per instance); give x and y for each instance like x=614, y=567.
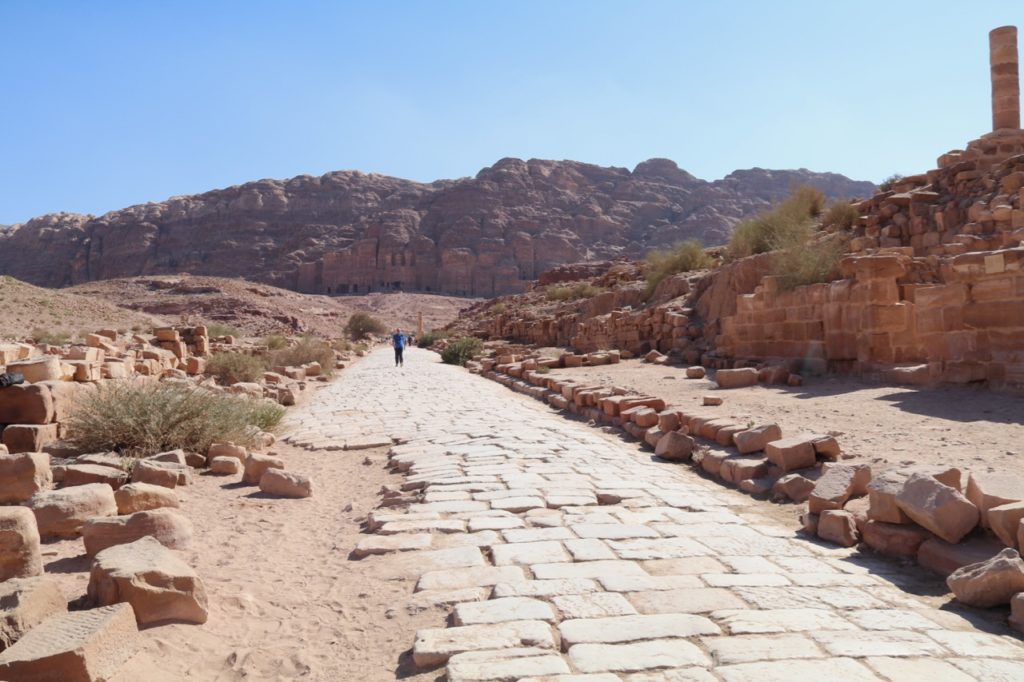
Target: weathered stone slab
x=62, y=513
x=153, y=579
x=136, y=497
x=508, y=665
x=525, y=553
x=282, y=483
x=632, y=628
x=82, y=474
x=593, y=605
x=170, y=528
x=792, y=453
x=545, y=588
x=502, y=610
x=837, y=484
x=586, y=569
x=685, y=600
x=81, y=646
x=473, y=576
x=25, y=603
x=385, y=544
x=23, y=475
x=845, y=669
x=660, y=653
x=755, y=439
x=435, y=646
x=939, y=508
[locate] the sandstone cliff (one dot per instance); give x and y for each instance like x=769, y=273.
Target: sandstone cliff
x=348, y=232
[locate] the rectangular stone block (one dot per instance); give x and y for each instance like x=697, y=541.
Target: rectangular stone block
x=434, y=646
x=25, y=404
x=29, y=437
x=81, y=646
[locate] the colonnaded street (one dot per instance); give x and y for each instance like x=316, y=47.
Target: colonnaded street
x=565, y=553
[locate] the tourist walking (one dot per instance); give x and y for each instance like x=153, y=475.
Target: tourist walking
x=398, y=342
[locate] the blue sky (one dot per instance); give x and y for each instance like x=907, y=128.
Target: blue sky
x=105, y=104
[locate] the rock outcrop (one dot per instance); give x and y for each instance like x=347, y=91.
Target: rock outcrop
x=348, y=232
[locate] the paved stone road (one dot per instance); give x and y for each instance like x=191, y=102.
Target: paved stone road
x=568, y=555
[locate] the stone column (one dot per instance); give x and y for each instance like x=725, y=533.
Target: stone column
x=1002, y=43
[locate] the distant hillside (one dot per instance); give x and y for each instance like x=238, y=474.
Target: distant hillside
x=348, y=232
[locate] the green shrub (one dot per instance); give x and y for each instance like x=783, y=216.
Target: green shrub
x=275, y=342
x=58, y=338
x=363, y=325
x=429, y=338
x=142, y=419
x=814, y=261
x=682, y=257
x=497, y=309
x=230, y=368
x=308, y=349
x=789, y=223
x=840, y=216
x=571, y=293
x=218, y=329
x=886, y=185
x=460, y=351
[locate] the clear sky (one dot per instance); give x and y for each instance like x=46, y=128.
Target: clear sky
x=104, y=104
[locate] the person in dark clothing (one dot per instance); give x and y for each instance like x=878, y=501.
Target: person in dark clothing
x=398, y=342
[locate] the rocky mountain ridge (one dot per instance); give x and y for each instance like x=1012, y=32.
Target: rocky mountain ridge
x=350, y=232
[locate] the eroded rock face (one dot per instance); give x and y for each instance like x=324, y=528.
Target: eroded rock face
x=347, y=232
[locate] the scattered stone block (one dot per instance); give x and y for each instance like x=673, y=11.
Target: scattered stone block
x=755, y=439
x=892, y=539
x=435, y=646
x=939, y=508
x=712, y=401
x=502, y=610
x=171, y=456
x=155, y=473
x=23, y=475
x=256, y=464
x=1005, y=520
x=29, y=437
x=385, y=544
x=136, y=497
x=227, y=450
x=62, y=513
x=944, y=558
x=618, y=629
x=838, y=483
x=675, y=446
x=989, y=583
x=25, y=603
x=19, y=544
x=172, y=529
x=225, y=466
x=827, y=447
x=150, y=577
x=286, y=483
x=882, y=492
x=695, y=372
x=82, y=474
x=793, y=487
x=791, y=453
x=838, y=526
x=80, y=646
x=26, y=404
x=987, y=490
x=45, y=368
x=1017, y=612
x=638, y=656
x=736, y=378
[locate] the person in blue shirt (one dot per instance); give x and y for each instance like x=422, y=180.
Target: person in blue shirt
x=398, y=342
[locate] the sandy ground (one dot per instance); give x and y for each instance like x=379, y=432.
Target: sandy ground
x=286, y=602
x=887, y=426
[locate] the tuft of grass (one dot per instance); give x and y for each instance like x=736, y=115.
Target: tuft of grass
x=137, y=419
x=497, y=309
x=230, y=368
x=460, y=351
x=811, y=262
x=789, y=223
x=886, y=185
x=429, y=338
x=684, y=256
x=572, y=293
x=53, y=338
x=363, y=325
x=308, y=349
x=275, y=342
x=840, y=216
x=217, y=329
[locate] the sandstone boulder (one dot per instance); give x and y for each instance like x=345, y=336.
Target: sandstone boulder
x=225, y=465
x=793, y=487
x=26, y=404
x=837, y=484
x=285, y=483
x=695, y=372
x=838, y=526
x=989, y=583
x=136, y=497
x=23, y=475
x=43, y=368
x=28, y=437
x=227, y=450
x=736, y=378
x=1004, y=521
x=1016, y=620
x=945, y=558
x=894, y=539
x=987, y=490
x=167, y=474
x=82, y=474
x=171, y=456
x=675, y=446
x=939, y=508
x=791, y=453
x=153, y=579
x=25, y=603
x=256, y=465
x=172, y=529
x=20, y=556
x=756, y=438
x=62, y=513
x=80, y=646
x=882, y=492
